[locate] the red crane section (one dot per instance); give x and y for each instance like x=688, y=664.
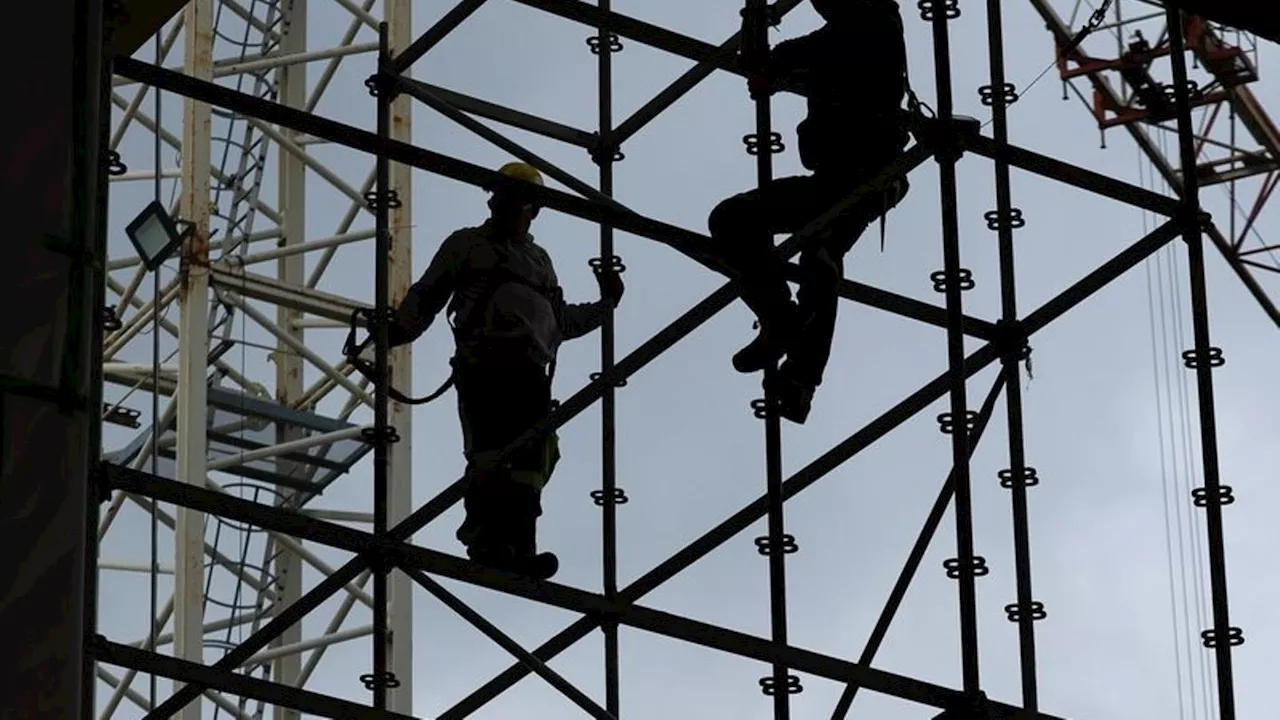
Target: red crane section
x=1142, y=104
x=1147, y=100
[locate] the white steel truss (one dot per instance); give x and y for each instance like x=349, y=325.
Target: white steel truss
x=249, y=360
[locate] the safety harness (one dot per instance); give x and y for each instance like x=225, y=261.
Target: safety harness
x=494, y=279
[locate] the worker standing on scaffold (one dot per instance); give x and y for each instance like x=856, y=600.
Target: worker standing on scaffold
x=853, y=71
x=509, y=318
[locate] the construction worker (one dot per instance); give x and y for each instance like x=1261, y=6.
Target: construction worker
x=853, y=72
x=509, y=318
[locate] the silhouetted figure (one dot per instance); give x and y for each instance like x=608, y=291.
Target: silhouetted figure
x=853, y=72
x=509, y=318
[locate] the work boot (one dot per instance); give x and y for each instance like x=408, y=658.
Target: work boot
x=501, y=557
x=540, y=566
x=795, y=396
x=508, y=540
x=770, y=344
x=478, y=503
x=522, y=527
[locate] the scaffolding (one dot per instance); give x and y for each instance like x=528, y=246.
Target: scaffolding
x=384, y=553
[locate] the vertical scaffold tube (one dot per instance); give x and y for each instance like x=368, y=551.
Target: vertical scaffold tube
x=1018, y=477
x=605, y=156
x=780, y=684
x=1203, y=358
x=382, y=281
x=90, y=193
x=956, y=422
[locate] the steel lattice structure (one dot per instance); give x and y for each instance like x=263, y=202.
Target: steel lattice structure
x=247, y=119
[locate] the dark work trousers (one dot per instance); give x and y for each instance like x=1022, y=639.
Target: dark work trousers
x=742, y=228
x=498, y=400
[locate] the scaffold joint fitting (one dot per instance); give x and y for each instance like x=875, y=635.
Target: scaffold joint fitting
x=372, y=681
x=1027, y=478
x=997, y=220
x=115, y=166
x=1191, y=217
x=602, y=151
x=1211, y=356
x=610, y=264
x=947, y=423
x=380, y=84
x=769, y=685
x=601, y=498
x=614, y=44
x=1210, y=638
x=1013, y=341
x=375, y=436
x=964, y=280
x=760, y=408
x=948, y=141
x=787, y=546
x=110, y=322
x=1202, y=496
x=375, y=200
x=977, y=567
x=1032, y=611
x=619, y=383
x=928, y=8
x=753, y=143
x=1006, y=95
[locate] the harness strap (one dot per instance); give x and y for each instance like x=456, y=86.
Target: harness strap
x=496, y=278
x=352, y=351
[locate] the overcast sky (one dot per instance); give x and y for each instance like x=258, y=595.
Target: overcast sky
x=1111, y=421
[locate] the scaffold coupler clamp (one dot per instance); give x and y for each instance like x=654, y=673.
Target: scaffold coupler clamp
x=385, y=679
x=1014, y=343
x=1192, y=217
x=772, y=14
x=754, y=52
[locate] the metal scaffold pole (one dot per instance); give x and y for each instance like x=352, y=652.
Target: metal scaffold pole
x=776, y=544
x=96, y=66
x=1018, y=477
x=381, y=679
x=604, y=44
x=953, y=280
x=1203, y=358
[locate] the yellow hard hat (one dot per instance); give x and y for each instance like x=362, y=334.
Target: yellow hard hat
x=522, y=171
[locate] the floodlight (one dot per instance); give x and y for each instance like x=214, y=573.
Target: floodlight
x=155, y=235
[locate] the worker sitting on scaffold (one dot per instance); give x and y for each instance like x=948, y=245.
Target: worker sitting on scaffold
x=853, y=71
